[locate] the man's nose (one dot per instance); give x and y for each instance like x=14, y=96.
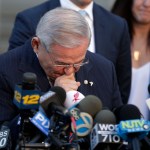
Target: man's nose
x=69, y=70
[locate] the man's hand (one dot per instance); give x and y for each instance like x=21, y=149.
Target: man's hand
x=67, y=82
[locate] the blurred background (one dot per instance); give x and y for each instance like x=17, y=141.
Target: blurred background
x=9, y=9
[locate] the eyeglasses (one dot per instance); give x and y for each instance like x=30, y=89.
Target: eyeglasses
x=76, y=66
x=66, y=66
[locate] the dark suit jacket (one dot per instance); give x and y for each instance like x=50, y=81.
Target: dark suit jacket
x=22, y=59
x=111, y=38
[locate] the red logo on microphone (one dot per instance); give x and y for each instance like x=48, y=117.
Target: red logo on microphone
x=76, y=97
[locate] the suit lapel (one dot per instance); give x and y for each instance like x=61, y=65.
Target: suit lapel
x=84, y=74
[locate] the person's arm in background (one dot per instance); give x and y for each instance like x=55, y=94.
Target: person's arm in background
x=123, y=66
x=22, y=30
x=25, y=24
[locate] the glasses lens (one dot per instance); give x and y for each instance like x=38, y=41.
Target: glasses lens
x=84, y=62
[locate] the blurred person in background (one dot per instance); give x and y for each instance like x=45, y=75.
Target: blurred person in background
x=110, y=35
x=137, y=14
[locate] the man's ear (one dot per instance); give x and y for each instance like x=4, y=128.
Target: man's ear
x=35, y=42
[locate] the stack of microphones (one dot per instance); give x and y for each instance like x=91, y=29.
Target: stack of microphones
x=129, y=131
x=72, y=121
x=66, y=127
x=62, y=118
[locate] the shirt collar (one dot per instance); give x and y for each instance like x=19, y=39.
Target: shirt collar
x=71, y=5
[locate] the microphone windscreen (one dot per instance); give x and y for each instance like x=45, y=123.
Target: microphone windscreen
x=149, y=88
x=60, y=92
x=73, y=98
x=29, y=77
x=105, y=116
x=127, y=112
x=56, y=95
x=29, y=81
x=90, y=104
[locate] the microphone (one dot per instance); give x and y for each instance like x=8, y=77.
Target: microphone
x=148, y=88
x=5, y=141
x=132, y=127
x=83, y=123
x=41, y=122
x=77, y=99
x=50, y=103
x=26, y=96
x=48, y=119
x=127, y=112
x=88, y=107
x=105, y=116
x=90, y=104
x=104, y=134
x=53, y=100
x=148, y=99
x=73, y=98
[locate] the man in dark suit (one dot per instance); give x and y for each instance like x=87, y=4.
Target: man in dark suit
x=109, y=35
x=58, y=54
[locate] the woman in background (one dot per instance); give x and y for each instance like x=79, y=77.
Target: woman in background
x=137, y=15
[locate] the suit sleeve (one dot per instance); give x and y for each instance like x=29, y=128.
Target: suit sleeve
x=22, y=31
x=116, y=99
x=123, y=67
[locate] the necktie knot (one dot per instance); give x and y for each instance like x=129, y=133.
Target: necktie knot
x=83, y=13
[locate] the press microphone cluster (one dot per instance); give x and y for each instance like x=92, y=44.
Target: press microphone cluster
x=36, y=108
x=74, y=123
x=66, y=120
x=61, y=126
x=26, y=99
x=104, y=133
x=132, y=127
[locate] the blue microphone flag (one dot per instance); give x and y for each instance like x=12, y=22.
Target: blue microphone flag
x=26, y=99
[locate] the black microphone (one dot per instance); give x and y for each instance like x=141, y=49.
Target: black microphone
x=5, y=138
x=29, y=81
x=127, y=112
x=26, y=98
x=104, y=135
x=148, y=99
x=132, y=127
x=148, y=88
x=105, y=116
x=51, y=103
x=54, y=121
x=90, y=104
x=53, y=100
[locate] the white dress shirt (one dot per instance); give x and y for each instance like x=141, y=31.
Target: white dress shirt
x=139, y=88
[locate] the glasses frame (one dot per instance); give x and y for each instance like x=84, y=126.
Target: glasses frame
x=66, y=66
x=76, y=65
